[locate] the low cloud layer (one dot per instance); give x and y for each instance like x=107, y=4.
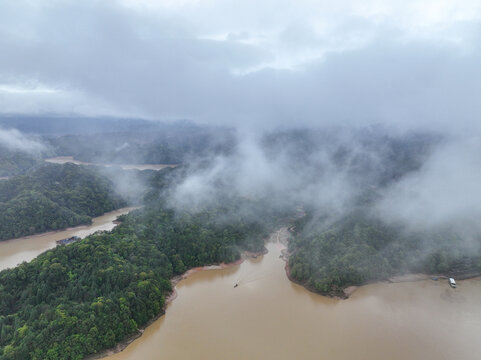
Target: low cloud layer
x=14, y=140
x=407, y=66
x=327, y=169
x=445, y=192
x=419, y=181
x=269, y=64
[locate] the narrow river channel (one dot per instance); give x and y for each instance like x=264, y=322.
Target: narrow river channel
x=268, y=317
x=15, y=251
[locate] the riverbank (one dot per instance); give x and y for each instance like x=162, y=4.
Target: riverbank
x=170, y=298
x=279, y=237
x=122, y=211
x=282, y=236
x=176, y=279
x=340, y=295
x=399, y=319
x=17, y=250
x=52, y=232
x=347, y=291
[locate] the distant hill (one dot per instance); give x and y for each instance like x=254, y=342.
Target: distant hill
x=62, y=125
x=124, y=140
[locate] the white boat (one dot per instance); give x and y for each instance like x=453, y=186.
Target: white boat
x=452, y=282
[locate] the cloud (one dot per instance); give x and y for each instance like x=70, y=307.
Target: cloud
x=254, y=64
x=14, y=140
x=259, y=66
x=445, y=192
x=318, y=168
x=38, y=98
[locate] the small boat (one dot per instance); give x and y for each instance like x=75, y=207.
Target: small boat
x=236, y=285
x=68, y=240
x=452, y=282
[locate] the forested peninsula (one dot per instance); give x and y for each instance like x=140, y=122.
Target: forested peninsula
x=358, y=249
x=78, y=299
x=54, y=197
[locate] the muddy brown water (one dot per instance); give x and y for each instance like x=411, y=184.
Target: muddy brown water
x=70, y=159
x=268, y=317
x=15, y=251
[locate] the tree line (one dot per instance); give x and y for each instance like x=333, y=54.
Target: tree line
x=358, y=249
x=54, y=197
x=81, y=298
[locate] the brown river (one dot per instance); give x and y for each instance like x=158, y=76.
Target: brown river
x=269, y=317
x=15, y=251
x=70, y=159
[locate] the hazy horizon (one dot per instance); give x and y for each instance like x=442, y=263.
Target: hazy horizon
x=397, y=68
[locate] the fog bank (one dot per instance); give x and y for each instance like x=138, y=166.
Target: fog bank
x=14, y=140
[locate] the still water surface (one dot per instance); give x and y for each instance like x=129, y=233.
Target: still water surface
x=269, y=317
x=15, y=251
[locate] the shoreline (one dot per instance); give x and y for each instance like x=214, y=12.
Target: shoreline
x=78, y=227
x=349, y=290
x=333, y=295
x=343, y=294
x=339, y=295
x=121, y=346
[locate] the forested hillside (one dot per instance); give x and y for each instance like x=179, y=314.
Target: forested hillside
x=78, y=299
x=359, y=249
x=14, y=163
x=81, y=298
x=54, y=197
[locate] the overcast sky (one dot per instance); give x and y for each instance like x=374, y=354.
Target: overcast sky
x=264, y=62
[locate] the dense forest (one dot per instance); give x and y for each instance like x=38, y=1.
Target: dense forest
x=77, y=299
x=369, y=156
x=54, y=197
x=14, y=162
x=359, y=248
